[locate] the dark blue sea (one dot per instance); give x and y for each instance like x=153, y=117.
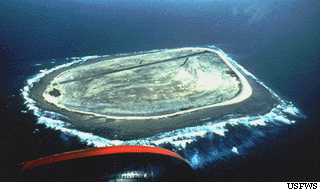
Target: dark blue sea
x=277, y=41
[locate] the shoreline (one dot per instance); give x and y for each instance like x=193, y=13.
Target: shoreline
x=244, y=94
x=259, y=101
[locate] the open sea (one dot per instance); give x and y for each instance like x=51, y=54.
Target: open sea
x=276, y=42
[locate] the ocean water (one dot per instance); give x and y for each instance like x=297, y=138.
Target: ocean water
x=276, y=42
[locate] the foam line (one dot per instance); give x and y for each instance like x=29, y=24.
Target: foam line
x=283, y=114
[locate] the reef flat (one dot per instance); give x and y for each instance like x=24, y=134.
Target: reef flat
x=129, y=97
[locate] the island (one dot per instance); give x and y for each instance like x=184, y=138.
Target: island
x=139, y=95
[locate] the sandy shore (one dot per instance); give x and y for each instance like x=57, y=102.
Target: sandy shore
x=244, y=92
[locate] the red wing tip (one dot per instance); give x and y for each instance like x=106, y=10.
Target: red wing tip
x=99, y=151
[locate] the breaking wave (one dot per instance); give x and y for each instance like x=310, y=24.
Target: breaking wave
x=198, y=144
